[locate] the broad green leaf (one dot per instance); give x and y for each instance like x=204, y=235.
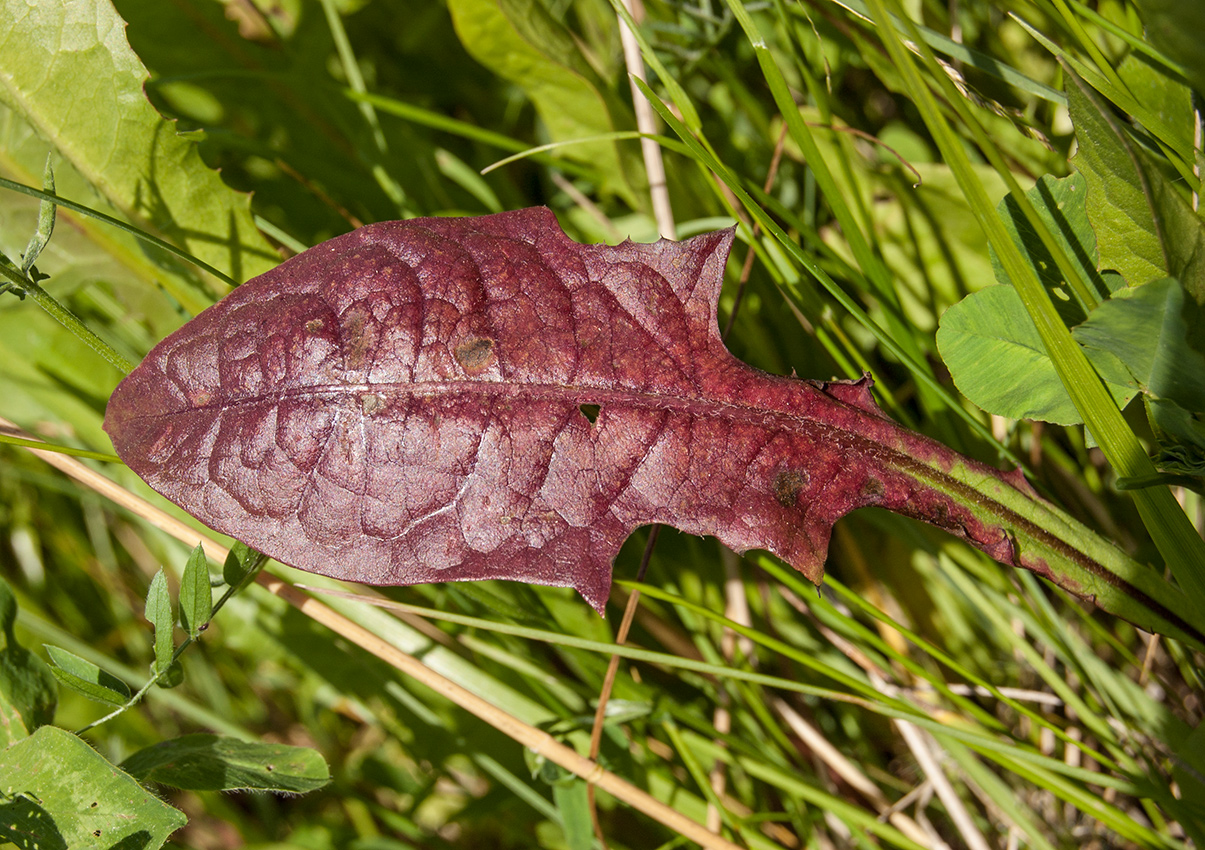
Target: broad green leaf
x=26, y=683
x=86, y=678
x=520, y=41
x=61, y=793
x=998, y=361
x=1144, y=228
x=159, y=613
x=71, y=75
x=1175, y=27
x=205, y=762
x=196, y=596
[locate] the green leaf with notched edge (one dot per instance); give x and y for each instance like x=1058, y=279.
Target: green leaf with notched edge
x=86, y=678
x=998, y=361
x=159, y=613
x=69, y=72
x=1144, y=228
x=61, y=793
x=216, y=763
x=196, y=596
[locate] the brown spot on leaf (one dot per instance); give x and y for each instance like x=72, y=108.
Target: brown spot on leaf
x=314, y=325
x=873, y=489
x=371, y=403
x=475, y=354
x=356, y=341
x=787, y=486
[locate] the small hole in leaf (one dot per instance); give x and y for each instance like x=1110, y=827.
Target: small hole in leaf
x=590, y=411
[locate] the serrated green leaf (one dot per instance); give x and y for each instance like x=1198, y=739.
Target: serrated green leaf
x=205, y=762
x=86, y=678
x=29, y=685
x=196, y=596
x=997, y=360
x=1144, y=229
x=89, y=102
x=64, y=794
x=159, y=613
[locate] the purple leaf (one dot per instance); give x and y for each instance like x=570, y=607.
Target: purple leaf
x=451, y=399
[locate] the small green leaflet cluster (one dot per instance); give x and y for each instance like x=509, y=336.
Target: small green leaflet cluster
x=47, y=770
x=196, y=608
x=1137, y=308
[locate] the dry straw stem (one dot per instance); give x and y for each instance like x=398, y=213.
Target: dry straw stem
x=534, y=739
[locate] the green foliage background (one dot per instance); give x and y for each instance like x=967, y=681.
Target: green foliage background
x=986, y=705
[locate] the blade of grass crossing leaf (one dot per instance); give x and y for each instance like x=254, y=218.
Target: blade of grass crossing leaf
x=150, y=239
x=1173, y=534
x=159, y=613
x=196, y=596
x=1087, y=44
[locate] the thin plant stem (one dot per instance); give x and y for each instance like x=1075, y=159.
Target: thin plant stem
x=67, y=319
x=119, y=224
